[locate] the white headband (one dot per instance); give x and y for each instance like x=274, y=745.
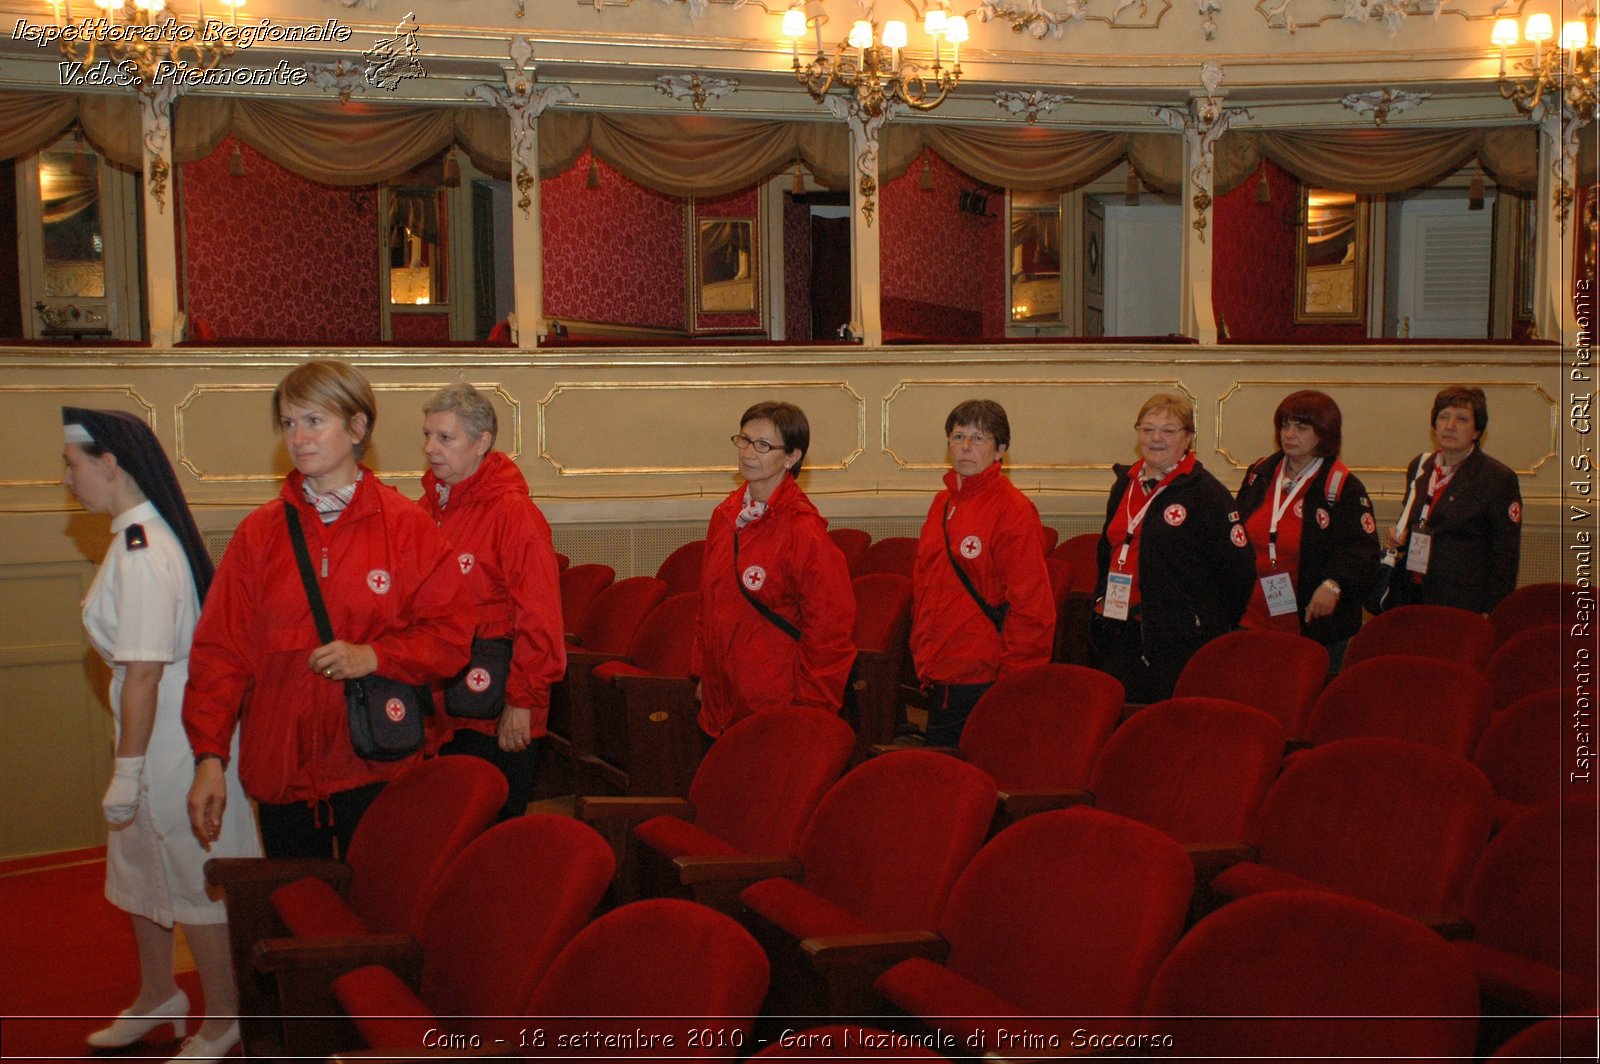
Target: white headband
x=77, y=434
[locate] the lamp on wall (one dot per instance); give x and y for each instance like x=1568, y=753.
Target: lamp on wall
x=143, y=35
x=1566, y=71
x=872, y=65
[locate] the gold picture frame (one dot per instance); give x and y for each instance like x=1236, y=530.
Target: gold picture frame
x=726, y=268
x=1331, y=253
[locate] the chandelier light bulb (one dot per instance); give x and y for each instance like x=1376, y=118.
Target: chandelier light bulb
x=894, y=34
x=1504, y=34
x=1574, y=36
x=1539, y=28
x=860, y=34
x=794, y=22
x=955, y=29
x=107, y=5
x=933, y=22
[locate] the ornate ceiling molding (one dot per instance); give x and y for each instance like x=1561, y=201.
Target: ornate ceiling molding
x=1029, y=104
x=696, y=88
x=1390, y=14
x=1380, y=105
x=1031, y=18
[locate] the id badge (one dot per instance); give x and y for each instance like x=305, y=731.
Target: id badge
x=1119, y=591
x=1279, y=592
x=1417, y=552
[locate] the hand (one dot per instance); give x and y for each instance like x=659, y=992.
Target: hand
x=208, y=797
x=122, y=795
x=339, y=660
x=515, y=724
x=697, y=697
x=1322, y=604
x=1391, y=541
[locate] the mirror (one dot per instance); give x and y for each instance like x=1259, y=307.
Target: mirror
x=725, y=266
x=1034, y=252
x=1331, y=267
x=74, y=243
x=417, y=239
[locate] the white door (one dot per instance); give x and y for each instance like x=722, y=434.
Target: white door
x=1445, y=255
x=1142, y=255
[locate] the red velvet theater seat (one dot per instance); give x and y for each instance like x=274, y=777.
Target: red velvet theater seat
x=579, y=585
x=1395, y=823
x=1421, y=700
x=633, y=718
x=1531, y=904
x=1303, y=975
x=1527, y=662
x=397, y=855
x=1065, y=914
x=881, y=853
x=883, y=625
x=1520, y=752
x=1532, y=606
x=1442, y=632
x=647, y=972
x=893, y=554
x=752, y=794
x=853, y=544
x=681, y=569
x=1194, y=768
x=1037, y=731
x=1235, y=666
x=1553, y=1040
x=1073, y=616
x=505, y=907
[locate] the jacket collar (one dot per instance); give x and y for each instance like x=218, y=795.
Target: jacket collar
x=959, y=485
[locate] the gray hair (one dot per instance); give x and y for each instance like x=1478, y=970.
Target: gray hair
x=467, y=403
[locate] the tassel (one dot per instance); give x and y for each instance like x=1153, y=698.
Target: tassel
x=452, y=169
x=80, y=161
x=799, y=183
x=1263, y=190
x=594, y=175
x=236, y=162
x=1130, y=193
x=925, y=179
x=1475, y=190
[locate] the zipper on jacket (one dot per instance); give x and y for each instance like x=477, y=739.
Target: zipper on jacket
x=324, y=563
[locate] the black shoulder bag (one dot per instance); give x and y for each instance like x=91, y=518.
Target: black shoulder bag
x=996, y=614
x=385, y=715
x=1382, y=596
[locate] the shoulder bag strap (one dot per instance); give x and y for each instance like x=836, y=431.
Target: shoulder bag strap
x=787, y=627
x=308, y=576
x=996, y=614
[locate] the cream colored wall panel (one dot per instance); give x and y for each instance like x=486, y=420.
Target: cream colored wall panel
x=1386, y=421
x=54, y=618
x=1056, y=424
x=30, y=426
x=601, y=428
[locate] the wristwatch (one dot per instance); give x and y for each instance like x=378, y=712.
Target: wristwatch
x=1333, y=585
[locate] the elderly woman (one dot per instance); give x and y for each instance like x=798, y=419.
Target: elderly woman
x=1460, y=528
x=496, y=708
x=776, y=606
x=140, y=615
x=395, y=595
x=1176, y=568
x=1311, y=523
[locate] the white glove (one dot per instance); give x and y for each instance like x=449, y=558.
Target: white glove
x=122, y=796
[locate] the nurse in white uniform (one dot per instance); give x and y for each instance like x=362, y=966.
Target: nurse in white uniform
x=140, y=615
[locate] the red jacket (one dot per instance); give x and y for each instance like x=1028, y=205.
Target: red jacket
x=996, y=535
x=391, y=583
x=745, y=662
x=502, y=544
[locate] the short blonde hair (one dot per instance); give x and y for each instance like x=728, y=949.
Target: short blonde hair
x=1172, y=403
x=335, y=386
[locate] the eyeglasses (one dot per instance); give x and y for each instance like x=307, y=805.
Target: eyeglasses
x=741, y=441
x=1167, y=432
x=977, y=439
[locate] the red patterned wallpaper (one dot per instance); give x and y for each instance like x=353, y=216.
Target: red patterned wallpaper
x=1253, y=264
x=420, y=328
x=745, y=203
x=273, y=256
x=942, y=269
x=614, y=253
x=796, y=268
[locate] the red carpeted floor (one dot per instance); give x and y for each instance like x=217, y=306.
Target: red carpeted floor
x=69, y=963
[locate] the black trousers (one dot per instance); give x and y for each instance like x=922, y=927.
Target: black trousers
x=517, y=767
x=1147, y=674
x=314, y=829
x=949, y=704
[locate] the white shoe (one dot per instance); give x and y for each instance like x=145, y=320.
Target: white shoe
x=197, y=1047
x=131, y=1026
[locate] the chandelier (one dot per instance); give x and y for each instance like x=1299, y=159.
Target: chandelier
x=872, y=65
x=1566, y=71
x=140, y=40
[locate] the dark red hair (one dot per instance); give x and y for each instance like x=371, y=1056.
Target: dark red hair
x=1318, y=410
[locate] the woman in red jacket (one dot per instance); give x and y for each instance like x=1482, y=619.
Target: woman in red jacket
x=496, y=708
x=776, y=606
x=394, y=595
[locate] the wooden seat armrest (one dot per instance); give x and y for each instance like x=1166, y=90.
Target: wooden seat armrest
x=1211, y=859
x=748, y=868
x=279, y=955
x=234, y=873
x=676, y=688
x=880, y=950
x=1451, y=926
x=1018, y=804
x=1129, y=709
x=634, y=810
x=582, y=662
x=889, y=748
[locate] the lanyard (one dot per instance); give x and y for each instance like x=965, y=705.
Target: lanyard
x=1436, y=484
x=1137, y=519
x=1281, y=503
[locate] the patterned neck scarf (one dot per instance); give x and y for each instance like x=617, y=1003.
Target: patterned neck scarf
x=330, y=504
x=752, y=512
x=442, y=490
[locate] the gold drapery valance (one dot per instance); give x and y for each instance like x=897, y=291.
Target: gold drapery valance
x=29, y=121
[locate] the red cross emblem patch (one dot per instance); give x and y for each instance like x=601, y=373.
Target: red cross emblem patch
x=395, y=710
x=478, y=680
x=971, y=547
x=1322, y=519
x=1368, y=525
x=466, y=561
x=1238, y=536
x=1515, y=513
x=379, y=582
x=1175, y=514
x=1300, y=508
x=754, y=577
